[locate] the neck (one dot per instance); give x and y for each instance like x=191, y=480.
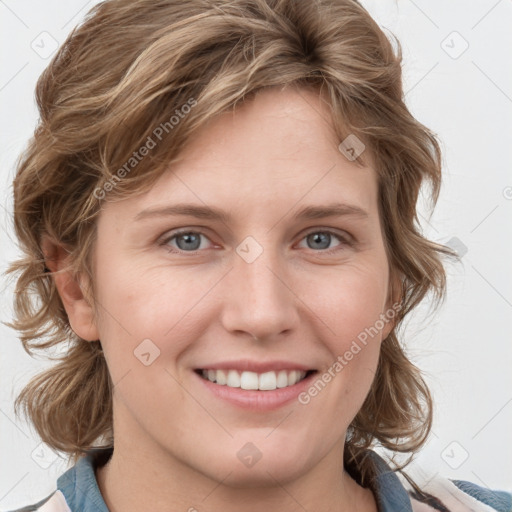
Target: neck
x=132, y=481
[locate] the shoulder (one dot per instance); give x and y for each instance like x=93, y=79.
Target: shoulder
x=419, y=491
x=499, y=500
x=77, y=489
x=55, y=502
x=448, y=495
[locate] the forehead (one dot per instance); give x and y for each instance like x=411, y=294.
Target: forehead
x=271, y=153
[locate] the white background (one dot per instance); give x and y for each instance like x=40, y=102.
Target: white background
x=465, y=350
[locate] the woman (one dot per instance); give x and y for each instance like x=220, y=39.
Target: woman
x=189, y=158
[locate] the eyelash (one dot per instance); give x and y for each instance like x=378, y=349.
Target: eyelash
x=344, y=241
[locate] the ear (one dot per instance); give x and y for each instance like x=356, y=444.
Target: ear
x=80, y=312
x=393, y=304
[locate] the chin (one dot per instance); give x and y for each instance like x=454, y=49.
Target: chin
x=257, y=467
x=259, y=476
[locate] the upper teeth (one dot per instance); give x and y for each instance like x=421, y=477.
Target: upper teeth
x=251, y=380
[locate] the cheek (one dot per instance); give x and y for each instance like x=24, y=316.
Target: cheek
x=137, y=302
x=131, y=308
x=141, y=324
x=353, y=309
x=352, y=304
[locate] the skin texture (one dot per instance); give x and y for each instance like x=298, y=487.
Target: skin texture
x=175, y=442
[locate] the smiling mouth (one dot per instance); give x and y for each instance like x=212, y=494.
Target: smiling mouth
x=267, y=381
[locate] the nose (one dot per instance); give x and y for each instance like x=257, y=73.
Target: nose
x=259, y=299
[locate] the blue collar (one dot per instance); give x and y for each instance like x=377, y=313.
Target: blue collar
x=80, y=488
x=79, y=485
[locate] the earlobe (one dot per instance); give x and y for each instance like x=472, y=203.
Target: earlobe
x=80, y=312
x=393, y=305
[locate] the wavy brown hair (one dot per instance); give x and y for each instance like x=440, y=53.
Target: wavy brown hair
x=128, y=68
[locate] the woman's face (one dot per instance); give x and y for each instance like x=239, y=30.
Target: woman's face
x=261, y=286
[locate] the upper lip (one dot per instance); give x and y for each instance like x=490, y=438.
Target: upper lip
x=255, y=366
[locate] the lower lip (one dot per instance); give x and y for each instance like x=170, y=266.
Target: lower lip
x=256, y=400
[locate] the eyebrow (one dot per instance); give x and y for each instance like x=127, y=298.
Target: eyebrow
x=210, y=213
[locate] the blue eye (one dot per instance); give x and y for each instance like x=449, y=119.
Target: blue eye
x=319, y=241
x=186, y=241
x=322, y=240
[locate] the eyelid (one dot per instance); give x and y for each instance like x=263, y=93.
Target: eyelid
x=340, y=233
x=170, y=235
x=344, y=237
